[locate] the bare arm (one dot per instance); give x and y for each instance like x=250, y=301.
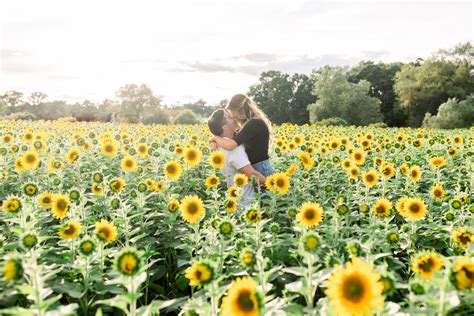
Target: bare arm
x=226, y=143
x=250, y=172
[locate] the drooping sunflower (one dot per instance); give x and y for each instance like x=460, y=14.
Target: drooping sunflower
x=217, y=159
x=438, y=192
x=128, y=163
x=233, y=192
x=97, y=190
x=415, y=173
x=200, y=273
x=414, y=209
x=192, y=209
x=242, y=298
x=173, y=169
x=212, y=181
x=252, y=216
x=173, y=205
x=192, y=156
x=105, y=231
x=426, y=263
x=462, y=237
x=160, y=186
x=128, y=262
x=73, y=154
x=387, y=169
x=240, y=180
x=370, y=178
x=310, y=214
x=306, y=159
x=462, y=273
x=31, y=159
x=291, y=170
x=117, y=185
x=13, y=269
x=437, y=162
x=355, y=289
x=70, y=230
x=11, y=205
x=281, y=183
x=59, y=205
x=19, y=164
x=400, y=206
x=382, y=208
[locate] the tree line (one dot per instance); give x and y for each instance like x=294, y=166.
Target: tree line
x=436, y=92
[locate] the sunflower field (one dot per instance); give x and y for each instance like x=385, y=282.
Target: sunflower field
x=128, y=219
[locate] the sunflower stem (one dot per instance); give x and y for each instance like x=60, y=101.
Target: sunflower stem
x=309, y=297
x=133, y=303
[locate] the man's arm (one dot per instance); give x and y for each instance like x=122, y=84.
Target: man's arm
x=250, y=172
x=224, y=142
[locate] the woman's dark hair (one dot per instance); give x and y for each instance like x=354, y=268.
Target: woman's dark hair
x=216, y=121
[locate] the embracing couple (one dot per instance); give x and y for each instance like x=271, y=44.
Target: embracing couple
x=242, y=132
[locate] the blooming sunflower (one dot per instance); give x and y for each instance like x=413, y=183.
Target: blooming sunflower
x=19, y=164
x=358, y=156
x=382, y=208
x=97, y=190
x=437, y=162
x=192, y=156
x=212, y=181
x=105, y=231
x=355, y=289
x=281, y=183
x=387, y=169
x=45, y=199
x=306, y=159
x=291, y=170
x=31, y=159
x=200, y=273
x=401, y=204
x=242, y=298
x=117, y=185
x=370, y=178
x=192, y=209
x=462, y=273
x=160, y=186
x=310, y=214
x=173, y=205
x=128, y=262
x=240, y=180
x=70, y=230
x=230, y=205
x=438, y=192
x=414, y=209
x=128, y=163
x=462, y=236
x=346, y=164
x=217, y=159
x=59, y=205
x=109, y=148
x=426, y=263
x=11, y=205
x=13, y=269
x=173, y=169
x=415, y=173
x=142, y=150
x=72, y=155
x=252, y=216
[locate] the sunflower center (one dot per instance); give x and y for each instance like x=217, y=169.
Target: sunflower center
x=370, y=178
x=70, y=230
x=62, y=205
x=414, y=208
x=192, y=208
x=280, y=183
x=109, y=148
x=170, y=169
x=353, y=289
x=30, y=158
x=191, y=155
x=244, y=301
x=426, y=265
x=104, y=232
x=310, y=214
x=129, y=163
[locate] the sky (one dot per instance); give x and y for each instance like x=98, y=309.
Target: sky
x=187, y=50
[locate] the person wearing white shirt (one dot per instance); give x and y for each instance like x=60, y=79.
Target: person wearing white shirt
x=236, y=160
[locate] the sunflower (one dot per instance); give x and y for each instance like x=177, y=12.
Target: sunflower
x=281, y=183
x=142, y=150
x=217, y=159
x=240, y=180
x=109, y=148
x=415, y=173
x=128, y=163
x=462, y=273
x=242, y=298
x=11, y=205
x=97, y=190
x=19, y=165
x=173, y=169
x=291, y=170
x=462, y=237
x=346, y=164
x=233, y=192
x=128, y=262
x=382, y=208
x=355, y=289
x=13, y=269
x=230, y=205
x=192, y=209
x=354, y=172
x=247, y=257
x=70, y=230
x=173, y=205
x=200, y=273
x=404, y=168
x=270, y=183
x=192, y=156
x=306, y=159
x=252, y=216
x=29, y=240
x=414, y=209
x=105, y=231
x=117, y=185
x=370, y=178
x=452, y=152
x=226, y=229
x=31, y=159
x=400, y=206
x=358, y=156
x=310, y=242
x=160, y=186
x=437, y=162
x=87, y=246
x=438, y=192
x=59, y=205
x=387, y=169
x=310, y=214
x=72, y=155
x=426, y=263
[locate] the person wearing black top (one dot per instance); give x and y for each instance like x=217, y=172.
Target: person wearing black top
x=255, y=133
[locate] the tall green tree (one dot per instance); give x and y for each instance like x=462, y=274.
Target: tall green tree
x=283, y=97
x=423, y=88
x=381, y=77
x=337, y=97
x=135, y=100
